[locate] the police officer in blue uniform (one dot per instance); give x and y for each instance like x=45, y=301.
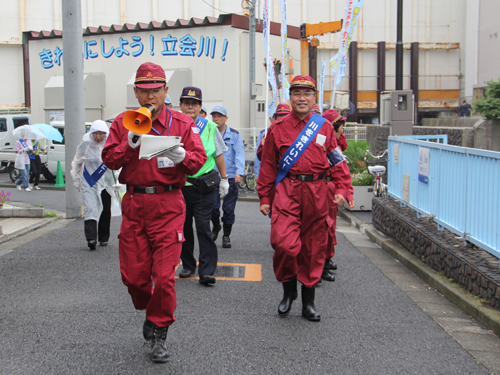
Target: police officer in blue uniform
x=234, y=158
x=168, y=102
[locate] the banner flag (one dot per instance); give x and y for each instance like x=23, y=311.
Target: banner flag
x=271, y=77
x=322, y=85
x=284, y=51
x=352, y=11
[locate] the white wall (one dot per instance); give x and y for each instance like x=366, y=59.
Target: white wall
x=489, y=41
x=224, y=82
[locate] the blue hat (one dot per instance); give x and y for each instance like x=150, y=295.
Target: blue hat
x=203, y=108
x=219, y=109
x=191, y=92
x=168, y=100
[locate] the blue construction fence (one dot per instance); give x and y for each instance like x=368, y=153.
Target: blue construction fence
x=458, y=187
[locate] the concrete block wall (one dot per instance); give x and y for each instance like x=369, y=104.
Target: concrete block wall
x=473, y=268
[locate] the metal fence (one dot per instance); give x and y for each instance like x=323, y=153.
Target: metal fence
x=457, y=186
x=355, y=133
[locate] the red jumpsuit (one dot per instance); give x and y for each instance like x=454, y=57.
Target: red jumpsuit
x=333, y=208
x=299, y=210
x=342, y=142
x=151, y=236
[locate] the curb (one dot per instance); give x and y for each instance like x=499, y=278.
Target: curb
x=30, y=228
x=466, y=301
x=43, y=187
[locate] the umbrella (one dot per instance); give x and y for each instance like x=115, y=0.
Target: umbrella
x=28, y=132
x=50, y=132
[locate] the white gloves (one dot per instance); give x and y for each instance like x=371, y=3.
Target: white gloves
x=131, y=135
x=77, y=183
x=223, y=188
x=176, y=154
x=26, y=149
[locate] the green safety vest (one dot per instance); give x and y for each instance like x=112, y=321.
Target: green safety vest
x=208, y=139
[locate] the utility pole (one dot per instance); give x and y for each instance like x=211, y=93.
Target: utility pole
x=74, y=100
x=399, y=48
x=251, y=37
x=251, y=19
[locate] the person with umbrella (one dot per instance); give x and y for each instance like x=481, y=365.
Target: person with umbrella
x=23, y=147
x=95, y=181
x=22, y=159
x=35, y=164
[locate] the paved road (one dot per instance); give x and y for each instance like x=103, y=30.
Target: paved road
x=64, y=310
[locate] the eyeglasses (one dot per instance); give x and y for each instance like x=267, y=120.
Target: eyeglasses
x=298, y=94
x=154, y=92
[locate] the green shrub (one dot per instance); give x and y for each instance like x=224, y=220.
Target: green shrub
x=355, y=153
x=362, y=179
x=489, y=107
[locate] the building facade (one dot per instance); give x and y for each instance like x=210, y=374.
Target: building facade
x=446, y=31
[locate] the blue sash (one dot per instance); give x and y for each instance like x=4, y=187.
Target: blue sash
x=23, y=143
x=298, y=147
x=92, y=179
x=201, y=123
x=35, y=148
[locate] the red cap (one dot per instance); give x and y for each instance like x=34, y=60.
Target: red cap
x=283, y=109
x=316, y=109
x=332, y=115
x=303, y=82
x=150, y=76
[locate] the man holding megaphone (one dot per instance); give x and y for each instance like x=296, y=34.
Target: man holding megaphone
x=153, y=209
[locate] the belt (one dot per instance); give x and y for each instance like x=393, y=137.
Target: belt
x=305, y=177
x=150, y=189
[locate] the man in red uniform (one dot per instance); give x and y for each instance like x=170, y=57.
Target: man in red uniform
x=338, y=122
x=300, y=206
x=153, y=209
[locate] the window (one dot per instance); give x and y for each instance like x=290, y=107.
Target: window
x=20, y=121
x=3, y=125
x=61, y=130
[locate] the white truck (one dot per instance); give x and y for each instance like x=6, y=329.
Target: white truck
x=53, y=152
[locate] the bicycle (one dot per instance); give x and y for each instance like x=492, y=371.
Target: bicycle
x=248, y=178
x=379, y=188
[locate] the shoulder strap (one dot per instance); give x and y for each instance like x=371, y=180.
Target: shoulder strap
x=300, y=144
x=94, y=177
x=201, y=123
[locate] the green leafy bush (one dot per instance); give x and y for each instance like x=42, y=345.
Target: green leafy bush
x=362, y=179
x=355, y=153
x=489, y=106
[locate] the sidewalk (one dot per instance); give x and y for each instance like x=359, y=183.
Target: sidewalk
x=28, y=220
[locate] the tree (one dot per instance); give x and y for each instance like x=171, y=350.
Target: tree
x=489, y=106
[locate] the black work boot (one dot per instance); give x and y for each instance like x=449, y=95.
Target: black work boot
x=332, y=265
x=308, y=308
x=215, y=230
x=289, y=295
x=147, y=329
x=326, y=275
x=159, y=352
x=226, y=242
